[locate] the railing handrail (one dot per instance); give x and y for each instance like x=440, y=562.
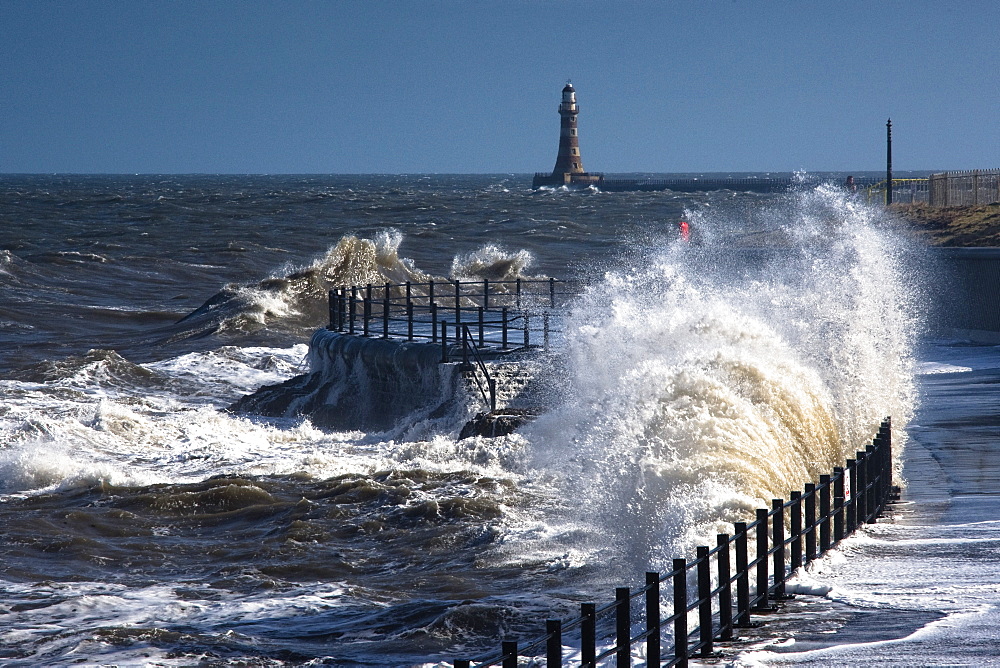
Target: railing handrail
x=413, y=310
x=873, y=493
x=467, y=345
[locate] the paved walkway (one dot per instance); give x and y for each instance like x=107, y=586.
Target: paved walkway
x=922, y=587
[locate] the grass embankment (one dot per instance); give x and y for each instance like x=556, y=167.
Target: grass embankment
x=953, y=225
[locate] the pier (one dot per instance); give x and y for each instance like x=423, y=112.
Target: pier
x=752, y=184
x=488, y=328
x=395, y=350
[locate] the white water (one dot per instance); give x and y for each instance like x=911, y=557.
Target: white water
x=697, y=383
x=705, y=382
x=695, y=386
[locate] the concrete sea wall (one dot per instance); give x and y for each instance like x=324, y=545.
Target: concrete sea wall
x=373, y=384
x=965, y=292
x=362, y=383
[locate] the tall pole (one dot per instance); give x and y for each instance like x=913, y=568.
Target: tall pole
x=888, y=161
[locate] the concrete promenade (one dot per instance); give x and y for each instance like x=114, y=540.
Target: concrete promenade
x=922, y=587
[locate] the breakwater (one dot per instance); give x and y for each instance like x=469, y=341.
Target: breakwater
x=729, y=587
x=753, y=184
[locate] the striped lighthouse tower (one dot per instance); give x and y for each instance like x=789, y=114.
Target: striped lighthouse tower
x=568, y=161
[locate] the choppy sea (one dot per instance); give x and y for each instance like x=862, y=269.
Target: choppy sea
x=142, y=524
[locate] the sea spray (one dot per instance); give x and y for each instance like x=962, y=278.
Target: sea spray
x=493, y=263
x=712, y=378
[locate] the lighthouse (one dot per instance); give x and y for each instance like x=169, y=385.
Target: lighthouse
x=569, y=169
x=568, y=161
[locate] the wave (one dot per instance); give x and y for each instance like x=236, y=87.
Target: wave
x=709, y=379
x=493, y=263
x=297, y=296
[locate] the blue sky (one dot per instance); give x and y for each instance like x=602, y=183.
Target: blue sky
x=442, y=86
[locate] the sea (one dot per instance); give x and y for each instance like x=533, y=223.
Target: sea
x=144, y=524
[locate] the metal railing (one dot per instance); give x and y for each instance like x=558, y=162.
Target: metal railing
x=489, y=391
x=501, y=315
x=817, y=519
x=974, y=187
x=904, y=191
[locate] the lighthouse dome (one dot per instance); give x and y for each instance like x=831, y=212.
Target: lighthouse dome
x=568, y=88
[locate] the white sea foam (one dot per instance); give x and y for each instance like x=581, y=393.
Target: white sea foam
x=928, y=368
x=491, y=262
x=705, y=382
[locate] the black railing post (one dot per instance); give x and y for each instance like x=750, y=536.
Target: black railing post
x=588, y=635
x=795, y=520
x=518, y=292
x=331, y=305
x=509, y=650
x=885, y=475
x=838, y=504
x=851, y=493
x=680, y=612
x=458, y=303
x=545, y=330
x=874, y=480
x=527, y=336
x=482, y=339
x=434, y=323
x=705, y=631
x=824, y=513
x=861, y=493
x=891, y=491
x=652, y=619
x=888, y=435
x=486, y=293
x=810, y=521
x=409, y=320
x=725, y=587
x=366, y=320
x=742, y=576
x=385, y=313
x=444, y=341
x=503, y=335
x=623, y=627
x=778, y=540
x=354, y=307
x=877, y=453
x=553, y=646
x=493, y=394
x=762, y=554
x=342, y=308
x=885, y=469
x=552, y=293
x=430, y=292
x=888, y=161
